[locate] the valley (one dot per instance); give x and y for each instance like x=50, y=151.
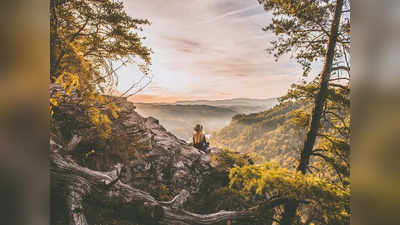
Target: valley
x=181, y=117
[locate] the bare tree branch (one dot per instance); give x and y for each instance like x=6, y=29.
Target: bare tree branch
x=75, y=183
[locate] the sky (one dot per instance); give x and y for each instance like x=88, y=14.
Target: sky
x=208, y=49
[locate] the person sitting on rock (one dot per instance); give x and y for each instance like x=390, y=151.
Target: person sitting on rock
x=199, y=139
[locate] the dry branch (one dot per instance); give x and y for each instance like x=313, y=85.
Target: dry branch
x=81, y=186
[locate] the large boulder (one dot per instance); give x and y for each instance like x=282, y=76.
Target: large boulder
x=148, y=156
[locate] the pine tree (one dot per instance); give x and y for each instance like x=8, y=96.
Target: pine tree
x=312, y=31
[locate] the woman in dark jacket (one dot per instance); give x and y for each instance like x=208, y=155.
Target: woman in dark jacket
x=199, y=139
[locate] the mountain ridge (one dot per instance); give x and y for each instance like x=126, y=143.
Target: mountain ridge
x=205, y=100
x=181, y=117
x=269, y=133
x=224, y=100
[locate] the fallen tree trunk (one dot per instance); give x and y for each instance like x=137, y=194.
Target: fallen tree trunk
x=183, y=217
x=78, y=187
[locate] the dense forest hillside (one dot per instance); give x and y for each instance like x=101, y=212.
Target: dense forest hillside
x=181, y=117
x=271, y=134
x=240, y=105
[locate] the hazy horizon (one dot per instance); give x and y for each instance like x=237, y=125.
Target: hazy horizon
x=144, y=99
x=208, y=50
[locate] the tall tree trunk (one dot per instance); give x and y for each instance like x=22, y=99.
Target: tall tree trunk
x=291, y=208
x=53, y=38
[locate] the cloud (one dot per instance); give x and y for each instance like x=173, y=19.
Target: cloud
x=184, y=41
x=210, y=49
x=185, y=45
x=141, y=98
x=231, y=13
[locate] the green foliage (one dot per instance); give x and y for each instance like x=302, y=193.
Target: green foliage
x=270, y=134
x=100, y=121
x=302, y=30
x=305, y=91
x=278, y=135
x=300, y=118
x=333, y=143
x=225, y=198
x=215, y=193
x=88, y=39
x=227, y=159
x=331, y=202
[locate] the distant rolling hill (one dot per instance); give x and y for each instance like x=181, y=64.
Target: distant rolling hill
x=239, y=105
x=180, y=118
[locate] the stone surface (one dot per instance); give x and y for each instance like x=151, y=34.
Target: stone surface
x=154, y=160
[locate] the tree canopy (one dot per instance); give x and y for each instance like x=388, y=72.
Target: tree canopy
x=302, y=30
x=90, y=40
x=311, y=31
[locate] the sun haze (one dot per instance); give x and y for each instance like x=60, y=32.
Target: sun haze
x=208, y=50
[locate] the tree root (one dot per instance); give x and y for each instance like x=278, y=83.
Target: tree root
x=79, y=185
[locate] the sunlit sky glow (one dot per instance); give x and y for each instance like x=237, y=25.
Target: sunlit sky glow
x=208, y=49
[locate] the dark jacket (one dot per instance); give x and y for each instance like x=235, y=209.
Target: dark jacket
x=200, y=143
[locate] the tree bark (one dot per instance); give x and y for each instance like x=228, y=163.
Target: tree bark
x=291, y=208
x=322, y=92
x=80, y=187
x=77, y=184
x=53, y=38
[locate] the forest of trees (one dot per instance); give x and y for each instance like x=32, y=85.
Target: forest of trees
x=273, y=134
x=312, y=31
x=91, y=39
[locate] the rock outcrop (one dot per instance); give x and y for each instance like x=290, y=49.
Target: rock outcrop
x=161, y=158
x=139, y=174
x=151, y=158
